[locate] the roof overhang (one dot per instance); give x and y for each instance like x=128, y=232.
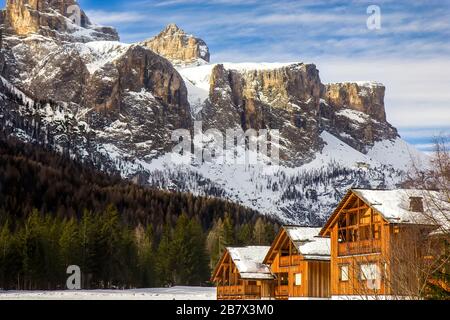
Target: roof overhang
x=325, y=232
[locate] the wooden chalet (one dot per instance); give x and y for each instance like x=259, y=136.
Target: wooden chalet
x=241, y=274
x=375, y=234
x=300, y=262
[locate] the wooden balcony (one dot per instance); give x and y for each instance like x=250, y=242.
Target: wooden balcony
x=238, y=292
x=281, y=292
x=359, y=247
x=290, y=261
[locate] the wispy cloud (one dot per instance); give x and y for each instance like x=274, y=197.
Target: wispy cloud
x=410, y=54
x=104, y=17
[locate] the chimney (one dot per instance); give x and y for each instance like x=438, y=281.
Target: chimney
x=416, y=204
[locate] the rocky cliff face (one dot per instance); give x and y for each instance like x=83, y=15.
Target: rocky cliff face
x=286, y=99
x=292, y=99
x=127, y=97
x=53, y=18
x=174, y=44
x=355, y=112
x=363, y=97
x=116, y=105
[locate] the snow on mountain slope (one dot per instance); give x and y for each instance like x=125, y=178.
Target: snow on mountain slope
x=398, y=154
x=197, y=79
x=116, y=105
x=354, y=115
x=340, y=153
x=99, y=53
x=302, y=195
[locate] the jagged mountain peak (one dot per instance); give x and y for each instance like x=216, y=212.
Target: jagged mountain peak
x=58, y=19
x=176, y=45
x=117, y=105
x=172, y=29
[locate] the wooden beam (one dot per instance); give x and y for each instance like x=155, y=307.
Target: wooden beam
x=337, y=213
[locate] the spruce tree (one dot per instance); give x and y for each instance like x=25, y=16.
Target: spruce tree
x=244, y=235
x=164, y=262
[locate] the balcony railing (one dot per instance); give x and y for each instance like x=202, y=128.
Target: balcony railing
x=359, y=247
x=238, y=291
x=282, y=291
x=290, y=261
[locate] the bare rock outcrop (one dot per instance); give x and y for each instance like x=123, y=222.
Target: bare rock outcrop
x=128, y=98
x=52, y=18
x=178, y=47
x=367, y=97
x=285, y=99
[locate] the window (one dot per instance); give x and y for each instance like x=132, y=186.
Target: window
x=284, y=279
x=352, y=235
x=365, y=217
x=353, y=219
x=369, y=272
x=298, y=279
x=343, y=273
x=364, y=233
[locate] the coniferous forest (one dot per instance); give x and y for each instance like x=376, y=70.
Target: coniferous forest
x=56, y=212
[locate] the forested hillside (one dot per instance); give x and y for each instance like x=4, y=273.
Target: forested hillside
x=55, y=212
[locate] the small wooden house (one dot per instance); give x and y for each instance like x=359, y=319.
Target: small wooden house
x=240, y=274
x=300, y=262
x=376, y=235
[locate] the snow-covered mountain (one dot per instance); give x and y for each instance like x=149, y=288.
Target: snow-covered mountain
x=116, y=105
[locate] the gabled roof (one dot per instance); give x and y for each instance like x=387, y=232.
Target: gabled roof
x=307, y=242
x=394, y=206
x=249, y=262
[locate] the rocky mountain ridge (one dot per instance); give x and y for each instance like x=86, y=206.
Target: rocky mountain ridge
x=178, y=47
x=116, y=105
x=54, y=18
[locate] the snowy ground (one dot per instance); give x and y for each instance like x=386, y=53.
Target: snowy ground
x=176, y=293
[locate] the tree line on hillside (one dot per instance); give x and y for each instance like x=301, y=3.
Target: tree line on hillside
x=55, y=212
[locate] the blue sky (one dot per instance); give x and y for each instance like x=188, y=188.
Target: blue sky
x=410, y=54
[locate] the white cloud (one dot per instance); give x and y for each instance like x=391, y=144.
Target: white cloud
x=115, y=18
x=417, y=91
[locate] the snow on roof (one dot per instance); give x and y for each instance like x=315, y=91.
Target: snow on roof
x=394, y=205
x=308, y=242
x=249, y=262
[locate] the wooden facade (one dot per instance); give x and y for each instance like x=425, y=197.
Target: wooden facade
x=240, y=279
x=298, y=275
x=363, y=246
x=367, y=249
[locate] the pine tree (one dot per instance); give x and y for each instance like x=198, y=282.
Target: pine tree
x=164, y=262
x=259, y=232
x=180, y=248
x=199, y=263
x=227, y=236
x=70, y=244
x=146, y=261
x=110, y=242
x=5, y=241
x=244, y=235
x=90, y=246
x=220, y=237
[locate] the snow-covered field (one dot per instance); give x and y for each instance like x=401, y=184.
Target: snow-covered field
x=175, y=293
